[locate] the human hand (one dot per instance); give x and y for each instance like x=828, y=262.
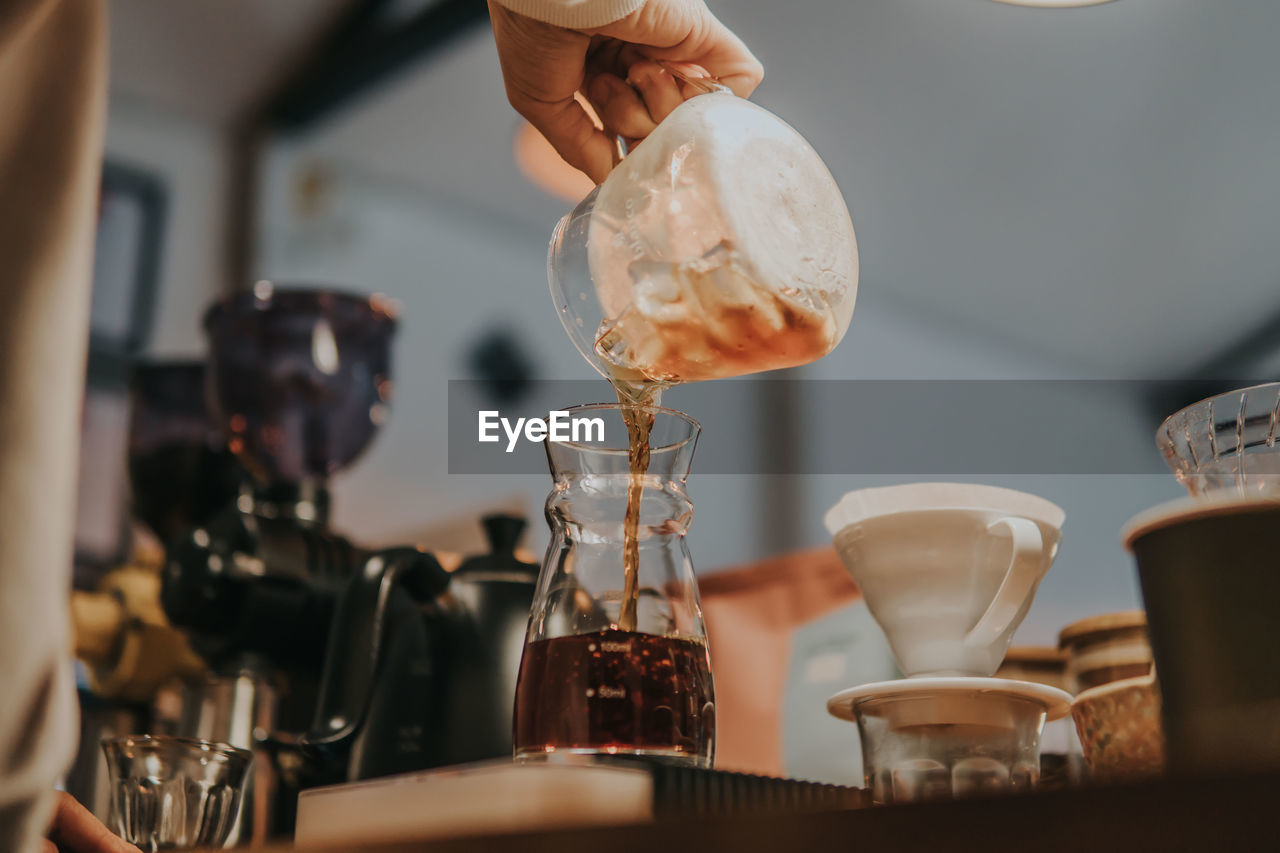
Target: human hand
x=613, y=67
x=74, y=829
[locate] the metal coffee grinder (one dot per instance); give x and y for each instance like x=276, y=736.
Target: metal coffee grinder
x=372, y=662
x=298, y=382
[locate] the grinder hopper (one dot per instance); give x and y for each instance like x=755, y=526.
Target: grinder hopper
x=300, y=381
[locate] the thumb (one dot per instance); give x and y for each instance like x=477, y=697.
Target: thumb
x=543, y=67
x=75, y=828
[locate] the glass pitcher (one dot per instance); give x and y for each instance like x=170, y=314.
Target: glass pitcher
x=720, y=246
x=1226, y=444
x=586, y=685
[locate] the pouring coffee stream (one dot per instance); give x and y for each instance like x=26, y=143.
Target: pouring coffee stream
x=635, y=400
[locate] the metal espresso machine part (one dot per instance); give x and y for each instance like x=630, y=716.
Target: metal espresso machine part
x=371, y=662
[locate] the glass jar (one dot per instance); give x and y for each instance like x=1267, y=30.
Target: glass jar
x=1106, y=648
x=593, y=680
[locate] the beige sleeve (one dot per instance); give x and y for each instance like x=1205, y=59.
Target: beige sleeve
x=52, y=98
x=574, y=14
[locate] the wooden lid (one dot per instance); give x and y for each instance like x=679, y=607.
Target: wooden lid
x=1102, y=624
x=1047, y=657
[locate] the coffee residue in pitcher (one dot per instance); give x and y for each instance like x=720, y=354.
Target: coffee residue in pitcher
x=709, y=318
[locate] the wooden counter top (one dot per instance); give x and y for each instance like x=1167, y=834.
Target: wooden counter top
x=1241, y=813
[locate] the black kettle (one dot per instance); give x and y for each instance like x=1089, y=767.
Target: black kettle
x=421, y=664
x=496, y=593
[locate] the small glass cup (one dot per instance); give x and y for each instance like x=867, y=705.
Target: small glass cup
x=171, y=793
x=1106, y=648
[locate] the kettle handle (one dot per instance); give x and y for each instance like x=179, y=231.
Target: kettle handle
x=356, y=637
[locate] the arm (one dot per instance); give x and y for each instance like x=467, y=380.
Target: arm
x=612, y=64
x=573, y=14
x=52, y=93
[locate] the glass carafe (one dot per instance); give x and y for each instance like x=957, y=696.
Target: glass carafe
x=587, y=686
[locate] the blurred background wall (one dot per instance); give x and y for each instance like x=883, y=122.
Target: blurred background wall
x=190, y=157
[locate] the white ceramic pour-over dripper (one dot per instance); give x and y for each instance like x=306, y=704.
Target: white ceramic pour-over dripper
x=948, y=570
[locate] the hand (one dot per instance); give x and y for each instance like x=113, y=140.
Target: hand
x=613, y=67
x=74, y=829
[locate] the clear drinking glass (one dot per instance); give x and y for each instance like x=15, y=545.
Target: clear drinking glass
x=1227, y=444
x=170, y=793
x=597, y=678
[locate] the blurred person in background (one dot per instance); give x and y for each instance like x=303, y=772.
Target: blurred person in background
x=52, y=110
